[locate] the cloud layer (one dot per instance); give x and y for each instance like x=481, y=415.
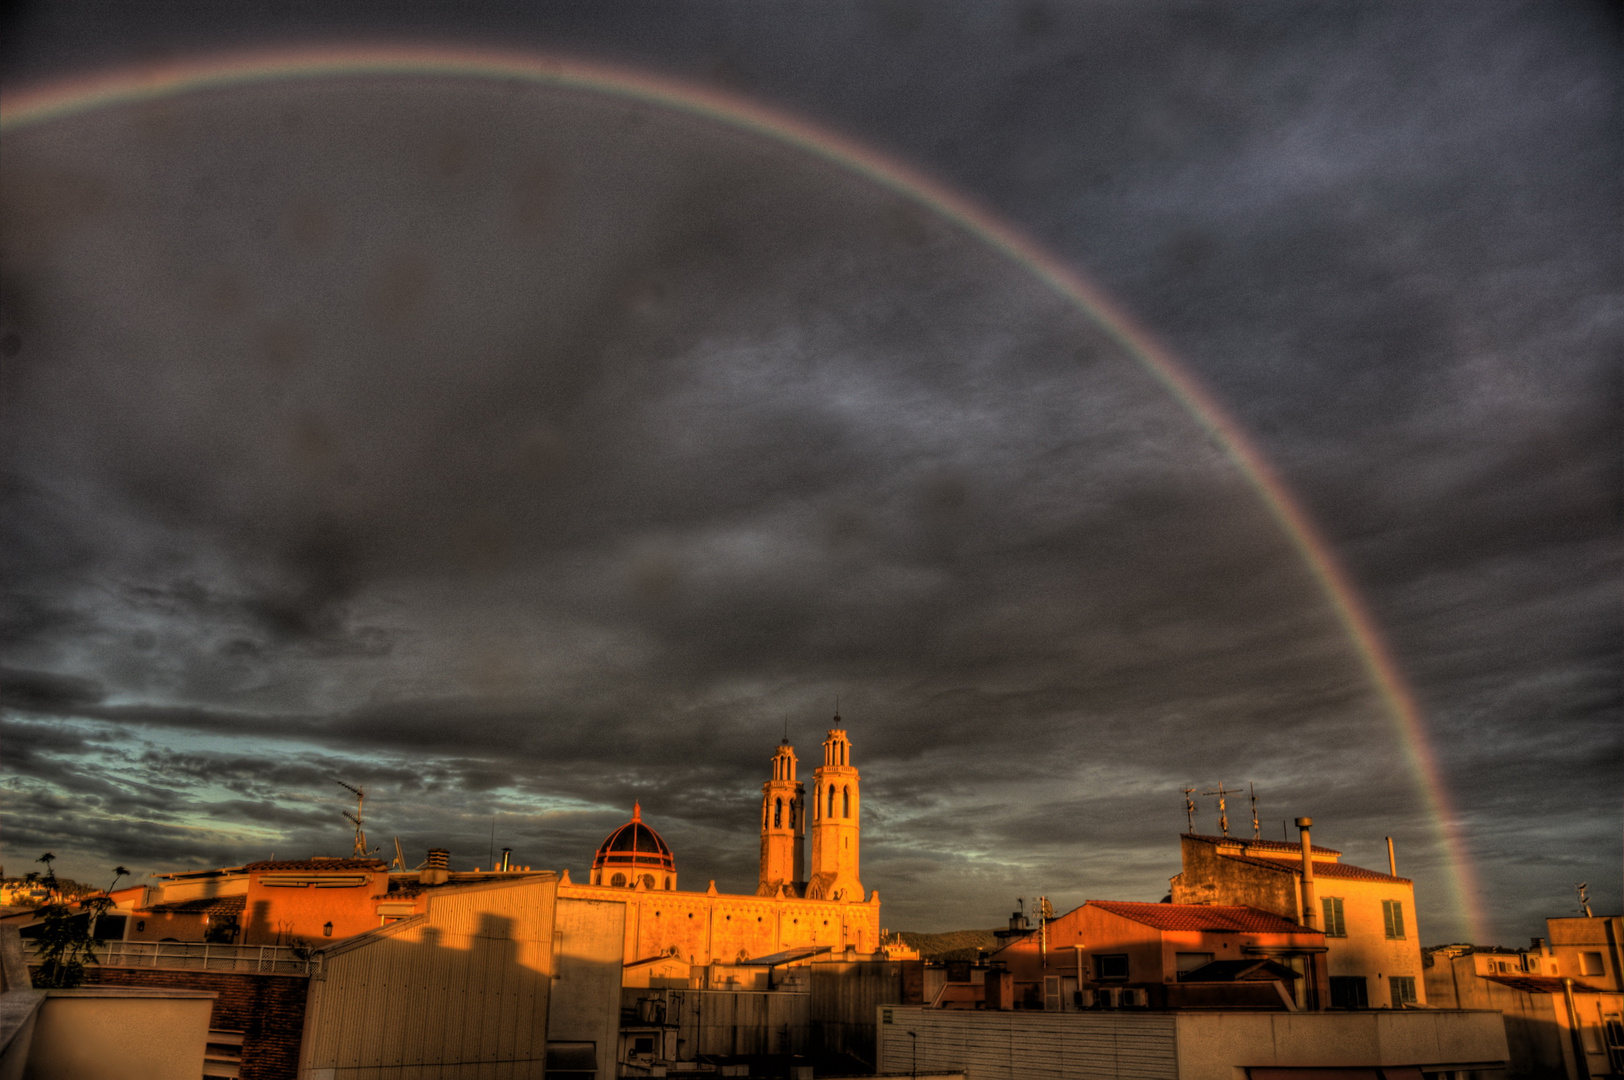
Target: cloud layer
x=522, y=453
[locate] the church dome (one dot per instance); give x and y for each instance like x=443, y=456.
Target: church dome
x=633, y=855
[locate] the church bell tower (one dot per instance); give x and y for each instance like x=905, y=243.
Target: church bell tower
x=783, y=827
x=836, y=822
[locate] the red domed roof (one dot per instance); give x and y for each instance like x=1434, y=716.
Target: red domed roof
x=634, y=845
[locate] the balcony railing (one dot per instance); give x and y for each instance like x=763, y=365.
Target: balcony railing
x=198, y=956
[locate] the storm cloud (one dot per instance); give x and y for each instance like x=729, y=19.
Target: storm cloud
x=520, y=452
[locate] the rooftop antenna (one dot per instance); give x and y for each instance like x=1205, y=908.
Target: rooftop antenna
x=1257, y=828
x=400, y=860
x=1189, y=809
x=1223, y=808
x=1584, y=898
x=359, y=818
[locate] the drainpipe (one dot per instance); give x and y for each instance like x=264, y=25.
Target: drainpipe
x=1574, y=1034
x=1612, y=947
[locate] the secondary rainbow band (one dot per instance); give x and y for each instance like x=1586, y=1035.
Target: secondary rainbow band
x=130, y=85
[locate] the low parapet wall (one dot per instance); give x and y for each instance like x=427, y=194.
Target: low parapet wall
x=121, y=1033
x=1191, y=1045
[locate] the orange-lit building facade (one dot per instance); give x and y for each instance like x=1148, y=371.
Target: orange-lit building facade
x=319, y=900
x=1373, y=947
x=1169, y=955
x=795, y=905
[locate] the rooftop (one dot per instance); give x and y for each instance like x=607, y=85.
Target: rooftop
x=319, y=863
x=1541, y=984
x=1340, y=871
x=204, y=905
x=1284, y=847
x=1216, y=918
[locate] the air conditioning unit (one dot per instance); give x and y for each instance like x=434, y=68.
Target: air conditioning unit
x=1133, y=997
x=1105, y=997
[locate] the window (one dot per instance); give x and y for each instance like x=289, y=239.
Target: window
x=1393, y=920
x=778, y=812
x=1403, y=990
x=831, y=800
x=1348, y=992
x=1334, y=924
x=845, y=802
x=1190, y=961
x=1590, y=963
x=618, y=880
x=1110, y=965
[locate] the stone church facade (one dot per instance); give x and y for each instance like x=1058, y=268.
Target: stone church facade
x=797, y=903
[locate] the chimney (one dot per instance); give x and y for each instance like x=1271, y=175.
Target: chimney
x=436, y=868
x=1392, y=863
x=1310, y=915
x=507, y=859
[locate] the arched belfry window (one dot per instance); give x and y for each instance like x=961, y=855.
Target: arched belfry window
x=778, y=812
x=845, y=802
x=831, y=800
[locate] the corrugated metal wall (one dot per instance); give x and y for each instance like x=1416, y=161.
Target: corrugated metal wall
x=461, y=994
x=844, y=995
x=738, y=1021
x=1023, y=1045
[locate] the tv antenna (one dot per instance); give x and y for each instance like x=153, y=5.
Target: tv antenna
x=358, y=818
x=400, y=860
x=1223, y=807
x=1257, y=829
x=1584, y=898
x=1189, y=808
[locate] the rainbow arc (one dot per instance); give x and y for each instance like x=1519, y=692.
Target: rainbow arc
x=127, y=86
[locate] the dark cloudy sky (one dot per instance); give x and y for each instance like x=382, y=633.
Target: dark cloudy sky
x=518, y=452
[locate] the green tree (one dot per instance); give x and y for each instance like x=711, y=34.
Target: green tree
x=64, y=942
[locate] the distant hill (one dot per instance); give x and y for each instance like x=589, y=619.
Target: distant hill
x=953, y=945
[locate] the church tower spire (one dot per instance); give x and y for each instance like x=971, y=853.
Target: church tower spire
x=836, y=822
x=783, y=826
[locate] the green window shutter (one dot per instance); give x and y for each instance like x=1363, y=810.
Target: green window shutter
x=1387, y=917
x=1335, y=925
x=1398, y=918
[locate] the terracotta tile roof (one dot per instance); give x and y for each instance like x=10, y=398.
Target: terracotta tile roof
x=1262, y=845
x=204, y=905
x=1211, y=917
x=336, y=865
x=1541, y=984
x=1340, y=871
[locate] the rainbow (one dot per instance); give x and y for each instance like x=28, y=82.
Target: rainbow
x=34, y=105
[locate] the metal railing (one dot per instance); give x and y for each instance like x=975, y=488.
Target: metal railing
x=200, y=956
